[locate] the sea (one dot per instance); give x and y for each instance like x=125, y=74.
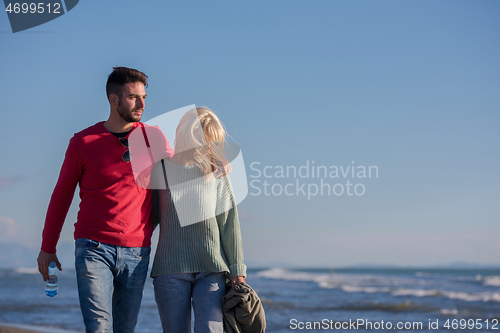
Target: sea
x=309, y=300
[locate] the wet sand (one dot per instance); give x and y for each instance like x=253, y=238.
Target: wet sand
x=5, y=329
x=15, y=328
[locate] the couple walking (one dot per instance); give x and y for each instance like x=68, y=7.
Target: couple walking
x=117, y=217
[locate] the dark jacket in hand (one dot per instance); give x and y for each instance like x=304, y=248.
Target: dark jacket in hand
x=243, y=311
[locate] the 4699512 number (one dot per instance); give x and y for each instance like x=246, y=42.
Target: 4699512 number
x=472, y=324
x=16, y=8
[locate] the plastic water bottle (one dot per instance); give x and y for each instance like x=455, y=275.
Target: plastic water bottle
x=51, y=285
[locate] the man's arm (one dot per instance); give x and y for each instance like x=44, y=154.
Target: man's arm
x=71, y=172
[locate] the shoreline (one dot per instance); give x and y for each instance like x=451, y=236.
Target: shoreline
x=19, y=328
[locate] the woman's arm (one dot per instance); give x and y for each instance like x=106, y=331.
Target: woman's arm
x=229, y=228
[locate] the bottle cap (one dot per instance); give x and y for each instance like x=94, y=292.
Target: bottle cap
x=52, y=264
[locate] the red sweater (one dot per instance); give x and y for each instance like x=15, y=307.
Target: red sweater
x=113, y=209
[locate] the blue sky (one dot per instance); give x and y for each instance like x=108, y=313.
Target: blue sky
x=410, y=87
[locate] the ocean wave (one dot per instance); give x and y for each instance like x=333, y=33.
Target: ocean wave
x=284, y=274
x=26, y=270
x=452, y=312
x=366, y=283
x=324, y=280
x=415, y=292
x=469, y=297
x=476, y=297
x=492, y=281
x=327, y=285
x=424, y=274
x=355, y=289
x=335, y=280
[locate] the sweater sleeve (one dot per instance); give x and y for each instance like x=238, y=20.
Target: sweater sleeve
x=71, y=172
x=229, y=228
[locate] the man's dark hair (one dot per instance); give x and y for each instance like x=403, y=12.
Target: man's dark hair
x=121, y=76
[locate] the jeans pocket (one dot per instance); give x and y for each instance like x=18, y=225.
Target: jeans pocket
x=140, y=252
x=85, y=242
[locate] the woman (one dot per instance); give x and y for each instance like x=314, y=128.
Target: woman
x=200, y=240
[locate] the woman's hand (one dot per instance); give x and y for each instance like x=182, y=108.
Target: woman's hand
x=224, y=169
x=235, y=280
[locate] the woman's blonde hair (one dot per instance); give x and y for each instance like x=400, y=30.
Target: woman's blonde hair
x=201, y=132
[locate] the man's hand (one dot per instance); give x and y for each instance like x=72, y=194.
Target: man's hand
x=44, y=260
x=235, y=280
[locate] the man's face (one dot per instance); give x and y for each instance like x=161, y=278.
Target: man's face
x=132, y=101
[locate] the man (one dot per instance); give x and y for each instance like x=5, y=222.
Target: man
x=113, y=229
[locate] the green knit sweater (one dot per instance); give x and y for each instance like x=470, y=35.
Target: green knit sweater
x=199, y=226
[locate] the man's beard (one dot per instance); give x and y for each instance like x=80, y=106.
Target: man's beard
x=127, y=116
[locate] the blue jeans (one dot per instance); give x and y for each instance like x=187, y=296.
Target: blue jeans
x=173, y=293
x=110, y=284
